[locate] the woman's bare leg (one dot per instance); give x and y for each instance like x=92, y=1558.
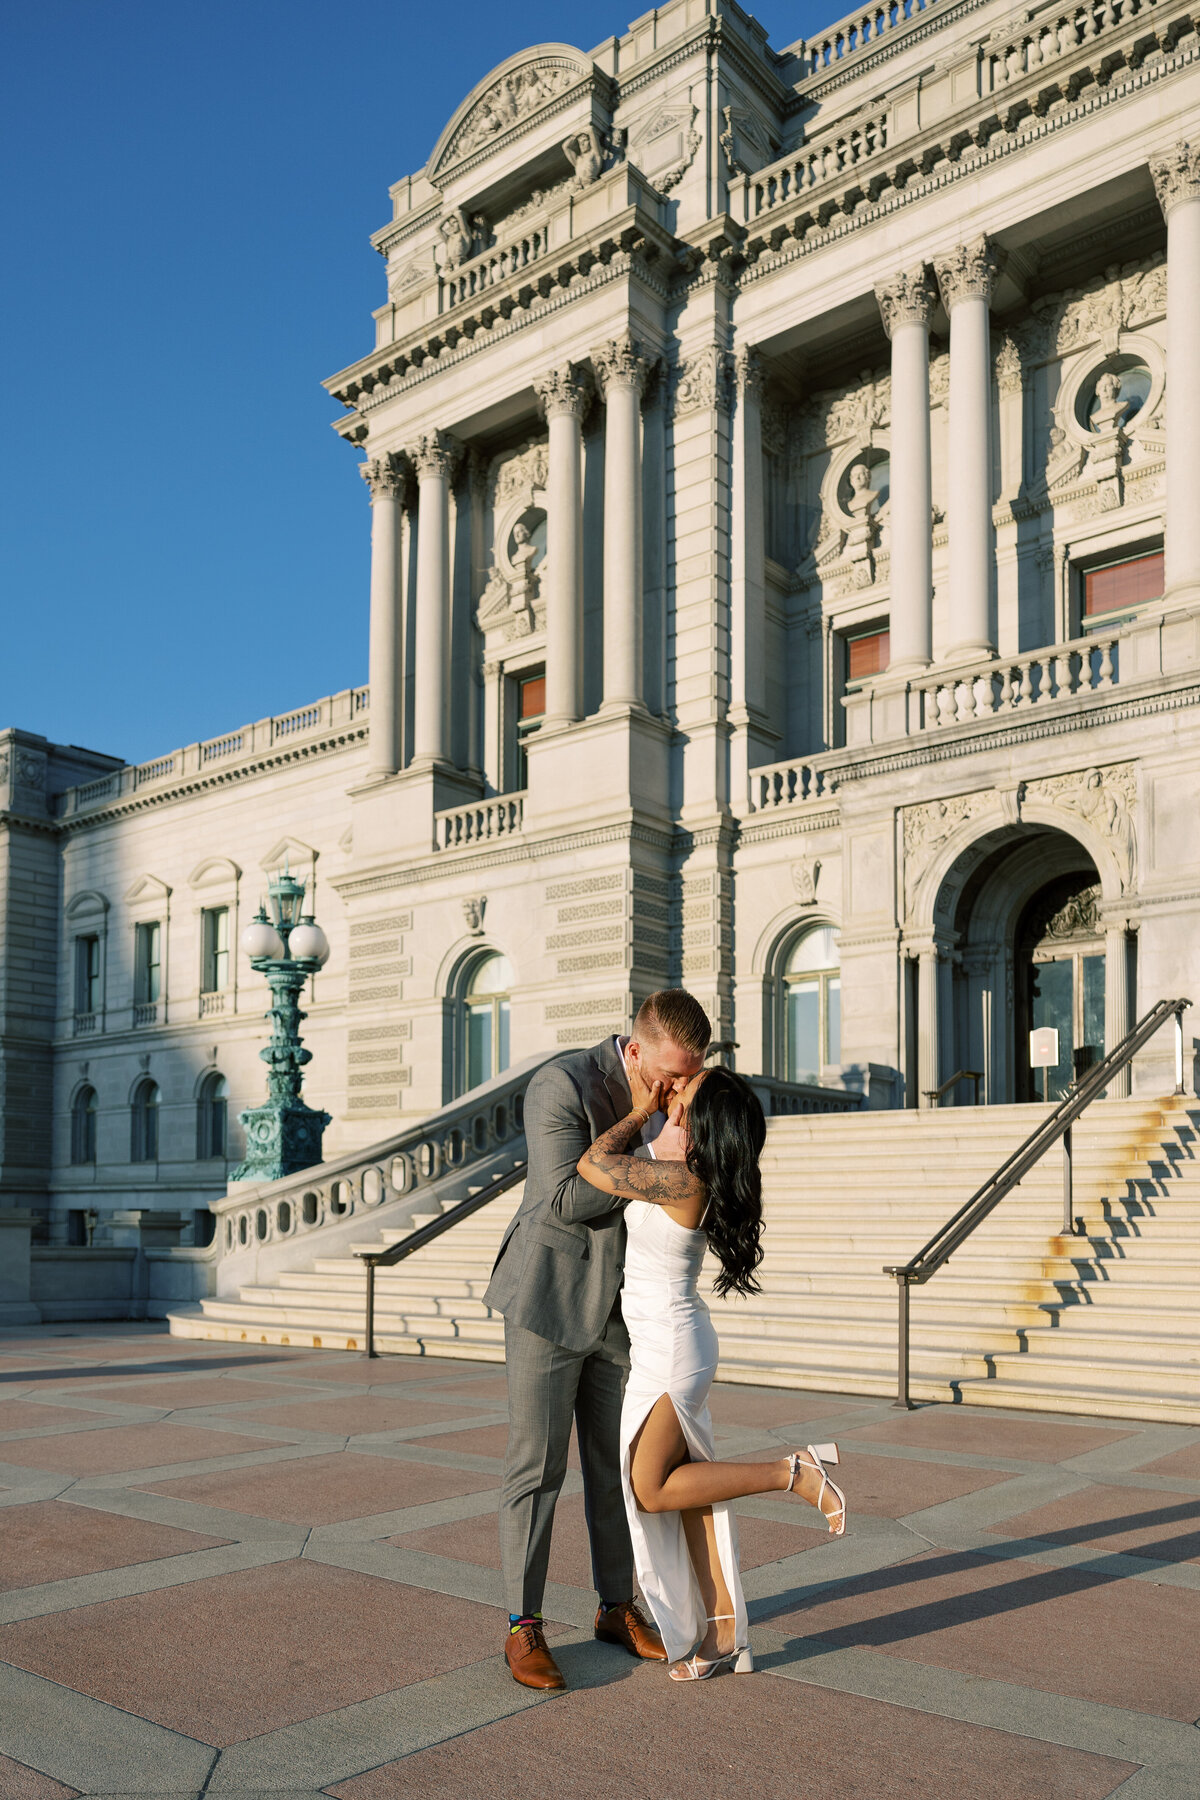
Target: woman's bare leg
x=664, y=1481
x=700, y=1531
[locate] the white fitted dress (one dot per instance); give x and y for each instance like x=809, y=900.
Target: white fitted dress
x=673, y=1350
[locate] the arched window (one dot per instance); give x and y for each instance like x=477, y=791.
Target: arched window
x=83, y=1126
x=143, y=1145
x=211, y=1117
x=811, y=1004
x=484, y=1019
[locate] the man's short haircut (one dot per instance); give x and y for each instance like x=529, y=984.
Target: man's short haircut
x=676, y=1014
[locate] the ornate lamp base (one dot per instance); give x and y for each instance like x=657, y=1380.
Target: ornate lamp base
x=280, y=1140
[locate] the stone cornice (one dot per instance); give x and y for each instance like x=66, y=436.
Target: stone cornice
x=525, y=849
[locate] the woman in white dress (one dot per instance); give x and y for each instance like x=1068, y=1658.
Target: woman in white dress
x=702, y=1191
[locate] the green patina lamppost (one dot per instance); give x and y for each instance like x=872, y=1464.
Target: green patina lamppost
x=283, y=1136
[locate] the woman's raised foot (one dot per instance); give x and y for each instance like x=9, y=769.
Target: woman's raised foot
x=811, y=1461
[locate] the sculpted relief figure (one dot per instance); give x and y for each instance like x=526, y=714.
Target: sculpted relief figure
x=456, y=239
x=862, y=506
x=1110, y=408
x=585, y=156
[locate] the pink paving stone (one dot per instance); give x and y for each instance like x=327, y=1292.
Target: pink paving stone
x=360, y=1413
x=489, y=1440
x=766, y=1407
x=981, y=1431
x=477, y=1541
x=494, y=1390
x=1067, y=1631
x=51, y=1540
x=889, y=1487
x=27, y=1415
x=1138, y=1523
x=1185, y=1462
x=19, y=1782
x=241, y=1654
x=321, y=1490
x=370, y=1373
x=151, y=1446
x=736, y=1739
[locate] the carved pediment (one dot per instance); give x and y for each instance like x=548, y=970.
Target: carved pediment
x=507, y=97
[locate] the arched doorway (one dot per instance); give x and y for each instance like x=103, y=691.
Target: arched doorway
x=1019, y=940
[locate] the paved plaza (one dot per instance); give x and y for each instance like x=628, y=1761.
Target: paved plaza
x=233, y=1571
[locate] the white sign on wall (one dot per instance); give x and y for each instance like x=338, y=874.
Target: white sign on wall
x=1043, y=1048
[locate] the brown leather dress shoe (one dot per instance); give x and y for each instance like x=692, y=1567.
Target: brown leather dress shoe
x=625, y=1625
x=529, y=1661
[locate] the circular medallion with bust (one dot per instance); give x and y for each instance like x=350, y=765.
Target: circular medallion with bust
x=638, y=1160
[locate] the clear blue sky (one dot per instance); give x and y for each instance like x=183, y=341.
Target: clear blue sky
x=187, y=200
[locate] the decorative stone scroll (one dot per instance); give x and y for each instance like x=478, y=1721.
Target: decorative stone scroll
x=1104, y=799
x=704, y=382
x=620, y=363
x=804, y=879
x=567, y=390
x=908, y=300
x=928, y=826
x=385, y=477
x=436, y=453
x=1176, y=176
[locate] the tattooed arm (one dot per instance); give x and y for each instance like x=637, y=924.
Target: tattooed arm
x=609, y=1166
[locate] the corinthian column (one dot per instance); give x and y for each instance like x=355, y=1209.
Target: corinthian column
x=621, y=373
x=433, y=457
x=564, y=396
x=965, y=278
x=1177, y=181
x=906, y=305
x=385, y=479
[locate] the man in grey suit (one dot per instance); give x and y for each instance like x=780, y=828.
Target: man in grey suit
x=557, y=1281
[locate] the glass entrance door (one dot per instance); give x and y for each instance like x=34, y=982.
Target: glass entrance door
x=1067, y=992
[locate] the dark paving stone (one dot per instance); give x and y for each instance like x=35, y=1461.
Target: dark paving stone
x=1185, y=1462
x=237, y=1655
x=477, y=1541
x=19, y=1782
x=1165, y=1526
x=734, y=1738
x=768, y=1407
x=982, y=1431
x=1067, y=1631
x=51, y=1540
x=889, y=1487
x=151, y=1446
x=27, y=1415
x=321, y=1490
x=359, y=1413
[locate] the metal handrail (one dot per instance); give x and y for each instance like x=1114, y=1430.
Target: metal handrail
x=934, y=1095
x=944, y=1242
x=426, y=1234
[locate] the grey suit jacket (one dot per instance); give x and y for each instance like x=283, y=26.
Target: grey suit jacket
x=562, y=1258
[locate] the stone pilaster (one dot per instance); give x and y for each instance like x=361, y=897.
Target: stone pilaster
x=906, y=305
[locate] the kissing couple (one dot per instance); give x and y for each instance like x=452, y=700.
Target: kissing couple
x=640, y=1160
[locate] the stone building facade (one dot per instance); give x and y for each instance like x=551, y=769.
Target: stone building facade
x=782, y=470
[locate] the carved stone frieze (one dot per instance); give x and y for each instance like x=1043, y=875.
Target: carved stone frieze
x=907, y=300
x=519, y=471
x=968, y=273
x=474, y=908
x=749, y=372
x=928, y=826
x=512, y=98
x=1008, y=365
x=841, y=414
x=804, y=879
x=30, y=770
x=1176, y=176
x=1104, y=798
x=704, y=382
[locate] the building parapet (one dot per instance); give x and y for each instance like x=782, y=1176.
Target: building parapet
x=482, y=822
x=197, y=764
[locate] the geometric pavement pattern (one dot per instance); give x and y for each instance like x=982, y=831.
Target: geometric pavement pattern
x=234, y=1571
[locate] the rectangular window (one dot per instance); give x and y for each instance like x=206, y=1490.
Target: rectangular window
x=87, y=974
x=147, y=963
x=215, y=974
x=867, y=655
x=1122, y=584
x=530, y=711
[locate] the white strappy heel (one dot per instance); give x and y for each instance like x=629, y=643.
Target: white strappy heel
x=821, y=1454
x=698, y=1668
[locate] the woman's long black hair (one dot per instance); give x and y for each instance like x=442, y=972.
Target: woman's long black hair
x=727, y=1131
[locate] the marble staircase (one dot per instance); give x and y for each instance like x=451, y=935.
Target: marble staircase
x=1104, y=1322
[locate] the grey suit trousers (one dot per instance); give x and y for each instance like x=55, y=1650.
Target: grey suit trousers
x=547, y=1386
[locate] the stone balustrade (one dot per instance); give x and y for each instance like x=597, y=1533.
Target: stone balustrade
x=480, y=823
x=492, y=267
x=1015, y=684
x=344, y=712
x=269, y=1226
x=1055, y=34
x=789, y=784
x=820, y=160
x=860, y=30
